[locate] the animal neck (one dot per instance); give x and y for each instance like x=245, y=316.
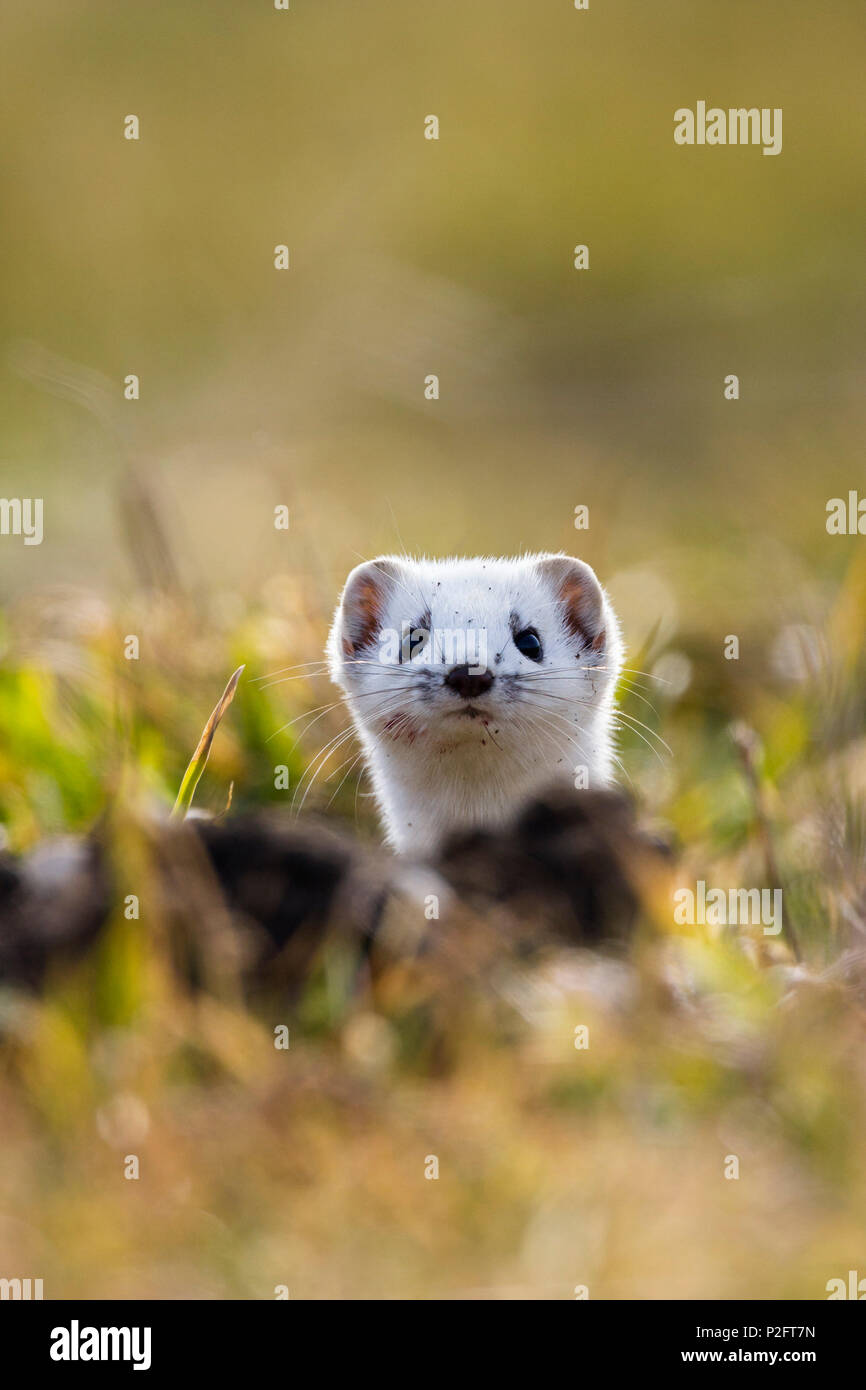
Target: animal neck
x=427, y=793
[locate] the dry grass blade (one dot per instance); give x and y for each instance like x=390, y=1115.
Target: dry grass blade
x=199, y=758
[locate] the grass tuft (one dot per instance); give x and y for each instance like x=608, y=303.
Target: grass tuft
x=198, y=761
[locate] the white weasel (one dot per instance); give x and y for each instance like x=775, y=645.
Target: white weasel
x=474, y=684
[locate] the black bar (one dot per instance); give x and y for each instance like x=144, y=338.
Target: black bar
x=225, y=1338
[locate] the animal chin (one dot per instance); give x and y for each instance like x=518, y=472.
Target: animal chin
x=469, y=712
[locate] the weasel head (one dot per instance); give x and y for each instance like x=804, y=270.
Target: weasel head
x=480, y=678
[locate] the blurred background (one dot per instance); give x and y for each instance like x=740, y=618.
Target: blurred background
x=558, y=388
x=411, y=257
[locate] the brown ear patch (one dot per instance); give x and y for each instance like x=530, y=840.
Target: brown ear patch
x=362, y=610
x=582, y=604
x=582, y=611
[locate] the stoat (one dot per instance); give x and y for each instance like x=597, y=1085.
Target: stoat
x=473, y=684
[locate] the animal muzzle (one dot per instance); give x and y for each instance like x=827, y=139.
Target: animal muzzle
x=468, y=682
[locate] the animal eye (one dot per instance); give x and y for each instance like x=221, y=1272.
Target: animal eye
x=413, y=643
x=529, y=643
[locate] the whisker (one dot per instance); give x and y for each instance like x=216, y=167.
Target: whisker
x=341, y=700
x=634, y=671
x=319, y=761
x=635, y=725
x=283, y=669
x=572, y=727
x=325, y=753
x=279, y=678
x=346, y=775
x=635, y=694
x=320, y=711
x=353, y=762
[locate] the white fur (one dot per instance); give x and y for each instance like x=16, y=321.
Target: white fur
x=437, y=768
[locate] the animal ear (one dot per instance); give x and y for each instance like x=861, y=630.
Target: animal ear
x=362, y=605
x=580, y=596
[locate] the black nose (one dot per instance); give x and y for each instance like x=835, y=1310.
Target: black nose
x=469, y=686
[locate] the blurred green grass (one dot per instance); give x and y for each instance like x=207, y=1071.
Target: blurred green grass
x=557, y=1167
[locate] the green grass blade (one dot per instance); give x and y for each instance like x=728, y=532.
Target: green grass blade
x=200, y=756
